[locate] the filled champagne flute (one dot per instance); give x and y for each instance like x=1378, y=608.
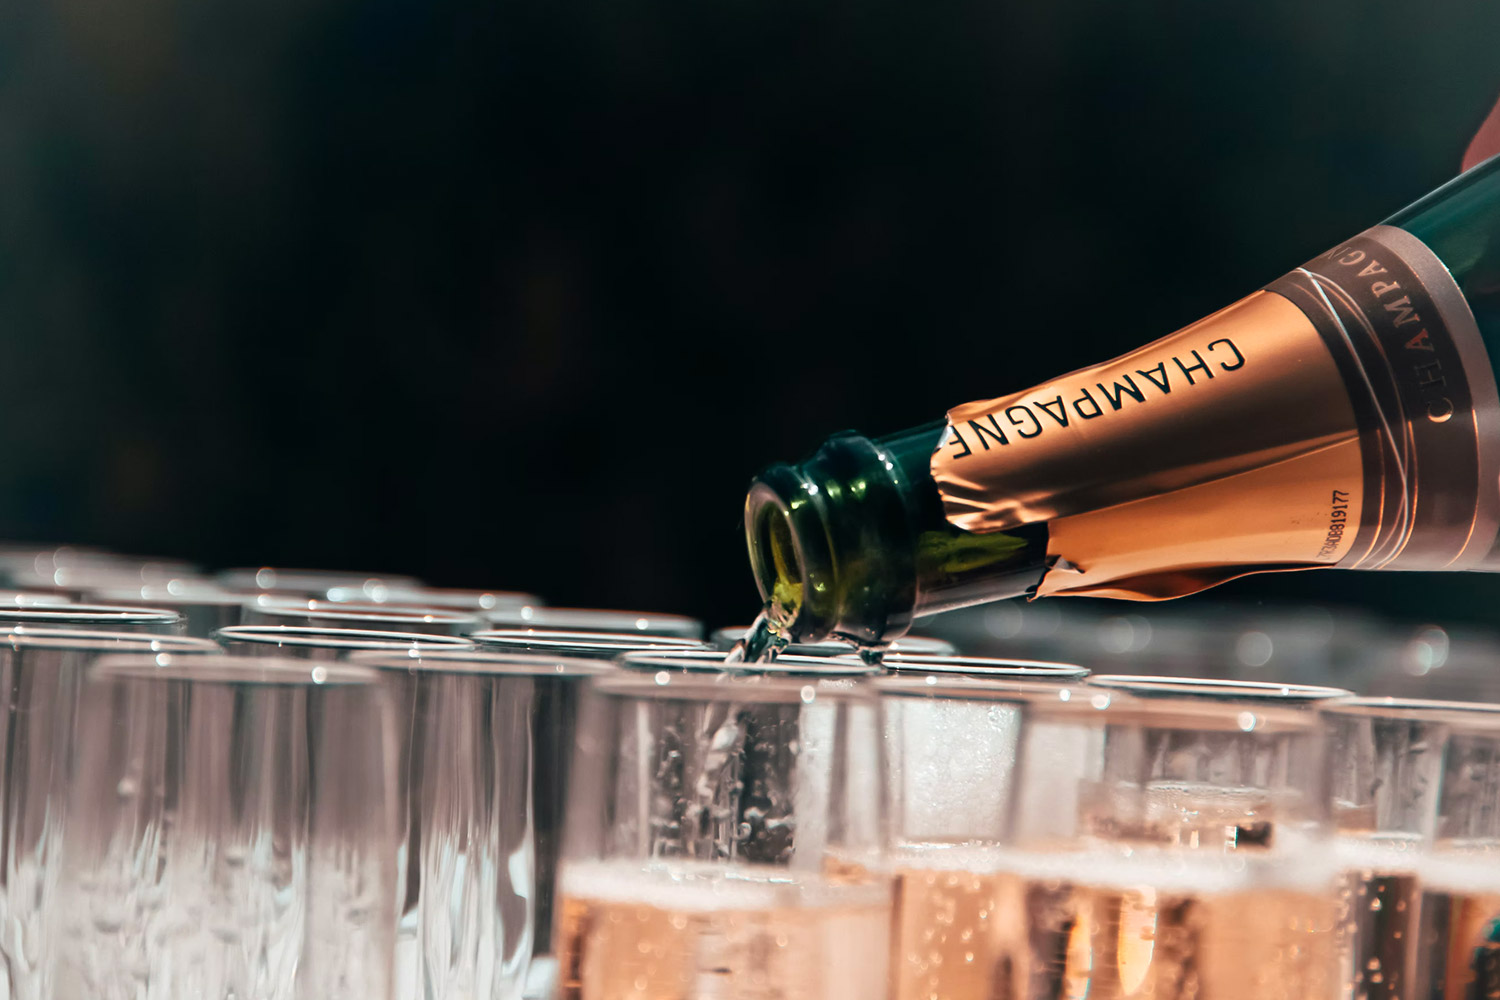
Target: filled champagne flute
x=725, y=838
x=1415, y=797
x=1160, y=838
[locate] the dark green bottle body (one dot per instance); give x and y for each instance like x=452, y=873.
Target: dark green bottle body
x=855, y=542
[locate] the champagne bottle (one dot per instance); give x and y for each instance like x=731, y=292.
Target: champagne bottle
x=1343, y=416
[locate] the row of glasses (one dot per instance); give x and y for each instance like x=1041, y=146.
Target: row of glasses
x=954, y=828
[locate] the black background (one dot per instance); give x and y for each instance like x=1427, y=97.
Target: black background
x=519, y=293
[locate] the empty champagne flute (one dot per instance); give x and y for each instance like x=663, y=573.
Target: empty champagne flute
x=40, y=670
x=231, y=831
x=466, y=927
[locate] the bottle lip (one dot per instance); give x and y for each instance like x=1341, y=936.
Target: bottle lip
x=781, y=497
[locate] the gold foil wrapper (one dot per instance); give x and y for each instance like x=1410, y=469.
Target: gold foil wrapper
x=1287, y=431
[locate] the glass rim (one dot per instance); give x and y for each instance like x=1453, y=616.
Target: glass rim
x=709, y=662
x=727, y=636
x=335, y=611
x=226, y=668
x=1021, y=689
x=22, y=597
x=479, y=662
x=733, y=686
x=1146, y=686
x=1478, y=714
x=101, y=614
x=447, y=598
x=982, y=666
x=603, y=641
x=308, y=578
x=210, y=595
x=548, y=610
x=100, y=640
x=334, y=638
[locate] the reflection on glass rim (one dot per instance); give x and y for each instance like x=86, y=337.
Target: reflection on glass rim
x=708, y=662
x=293, y=607
x=272, y=578
x=100, y=613
x=23, y=637
x=334, y=638
x=225, y=668
x=596, y=619
x=480, y=661
x=1145, y=686
x=604, y=641
x=913, y=645
x=1476, y=713
x=983, y=666
x=435, y=597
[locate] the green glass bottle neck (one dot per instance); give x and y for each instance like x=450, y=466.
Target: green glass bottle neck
x=1460, y=222
x=831, y=542
x=855, y=543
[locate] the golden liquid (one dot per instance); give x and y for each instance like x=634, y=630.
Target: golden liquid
x=999, y=936
x=625, y=933
x=1401, y=939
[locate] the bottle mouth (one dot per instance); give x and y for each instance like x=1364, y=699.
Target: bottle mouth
x=776, y=555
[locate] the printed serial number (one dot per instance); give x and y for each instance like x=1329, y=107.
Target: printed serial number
x=1338, y=520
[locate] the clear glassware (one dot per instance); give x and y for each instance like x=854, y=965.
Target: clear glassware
x=326, y=643
x=982, y=667
x=310, y=582
x=273, y=609
x=231, y=831
x=1146, y=838
x=595, y=620
x=35, y=598
x=725, y=838
x=472, y=601
x=1415, y=797
x=91, y=617
x=725, y=638
x=469, y=768
x=712, y=662
x=568, y=662
x=66, y=566
x=1304, y=643
x=589, y=645
x=204, y=605
x=40, y=670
